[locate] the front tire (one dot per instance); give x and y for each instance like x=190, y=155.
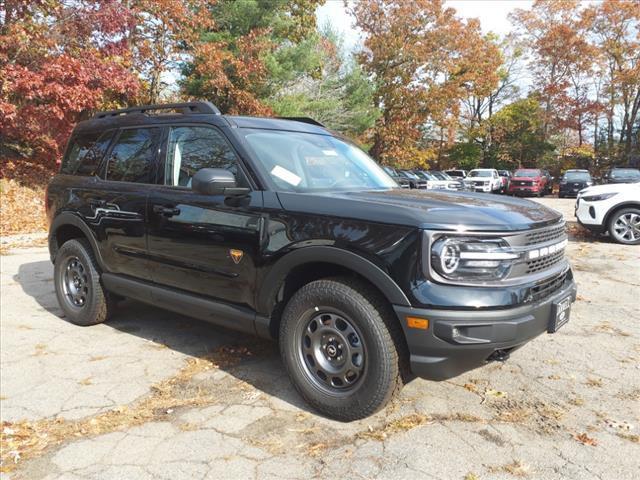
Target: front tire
x=624, y=226
x=77, y=284
x=342, y=347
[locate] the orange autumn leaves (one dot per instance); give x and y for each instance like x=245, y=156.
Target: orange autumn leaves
x=424, y=60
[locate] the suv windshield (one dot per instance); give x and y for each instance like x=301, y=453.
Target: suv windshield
x=625, y=173
x=577, y=176
x=527, y=173
x=305, y=162
x=481, y=173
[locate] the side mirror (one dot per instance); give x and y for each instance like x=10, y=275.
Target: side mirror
x=216, y=181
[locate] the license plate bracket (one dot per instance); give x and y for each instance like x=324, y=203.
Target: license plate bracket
x=559, y=314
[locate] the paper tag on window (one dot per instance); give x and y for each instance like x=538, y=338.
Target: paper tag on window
x=330, y=153
x=286, y=175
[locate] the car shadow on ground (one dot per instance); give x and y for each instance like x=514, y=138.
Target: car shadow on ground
x=248, y=358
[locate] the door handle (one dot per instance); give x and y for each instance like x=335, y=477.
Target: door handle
x=166, y=211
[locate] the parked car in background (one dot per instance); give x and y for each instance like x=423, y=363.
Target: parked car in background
x=613, y=208
x=450, y=182
x=505, y=177
x=461, y=174
x=548, y=183
x=484, y=180
x=572, y=181
x=528, y=181
x=393, y=173
x=621, y=175
x=413, y=179
x=433, y=183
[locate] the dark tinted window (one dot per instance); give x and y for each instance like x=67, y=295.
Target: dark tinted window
x=193, y=148
x=577, y=176
x=132, y=157
x=625, y=173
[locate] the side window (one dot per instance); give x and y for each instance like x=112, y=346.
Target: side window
x=132, y=158
x=91, y=161
x=193, y=148
x=78, y=148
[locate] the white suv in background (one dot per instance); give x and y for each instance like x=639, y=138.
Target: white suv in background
x=614, y=208
x=484, y=180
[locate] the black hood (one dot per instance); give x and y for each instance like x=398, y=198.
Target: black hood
x=426, y=209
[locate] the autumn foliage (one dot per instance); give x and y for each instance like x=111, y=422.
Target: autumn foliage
x=57, y=62
x=427, y=88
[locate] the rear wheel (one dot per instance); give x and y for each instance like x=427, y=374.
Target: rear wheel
x=77, y=284
x=342, y=347
x=624, y=226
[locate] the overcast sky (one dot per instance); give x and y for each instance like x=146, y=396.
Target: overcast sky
x=492, y=14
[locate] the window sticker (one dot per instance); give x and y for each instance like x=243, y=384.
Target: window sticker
x=330, y=153
x=284, y=174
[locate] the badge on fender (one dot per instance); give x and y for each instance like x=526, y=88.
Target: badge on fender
x=236, y=255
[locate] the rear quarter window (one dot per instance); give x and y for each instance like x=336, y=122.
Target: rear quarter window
x=85, y=153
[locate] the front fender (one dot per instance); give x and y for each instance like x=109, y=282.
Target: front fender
x=326, y=254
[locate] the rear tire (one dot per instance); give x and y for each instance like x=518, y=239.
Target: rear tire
x=624, y=226
x=77, y=284
x=342, y=347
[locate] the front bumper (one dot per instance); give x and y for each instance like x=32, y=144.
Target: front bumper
x=460, y=340
x=479, y=188
x=524, y=190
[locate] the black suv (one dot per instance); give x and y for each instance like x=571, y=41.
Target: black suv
x=283, y=229
x=572, y=181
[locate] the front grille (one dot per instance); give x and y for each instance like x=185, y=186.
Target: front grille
x=524, y=183
x=544, y=262
x=546, y=287
x=545, y=235
x=478, y=184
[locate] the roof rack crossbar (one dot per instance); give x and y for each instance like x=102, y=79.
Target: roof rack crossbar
x=185, y=108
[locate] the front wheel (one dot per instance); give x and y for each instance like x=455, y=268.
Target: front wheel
x=624, y=226
x=342, y=348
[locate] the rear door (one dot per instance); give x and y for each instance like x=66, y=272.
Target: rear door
x=118, y=202
x=203, y=244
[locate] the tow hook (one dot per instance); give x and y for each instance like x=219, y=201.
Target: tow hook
x=499, y=356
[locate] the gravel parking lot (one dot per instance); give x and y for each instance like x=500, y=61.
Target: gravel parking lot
x=152, y=394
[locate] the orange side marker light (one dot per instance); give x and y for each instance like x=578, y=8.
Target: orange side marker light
x=417, y=322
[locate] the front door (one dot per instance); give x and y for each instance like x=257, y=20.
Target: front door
x=203, y=244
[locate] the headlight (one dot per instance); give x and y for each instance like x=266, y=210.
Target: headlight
x=597, y=198
x=589, y=183
x=453, y=185
x=471, y=259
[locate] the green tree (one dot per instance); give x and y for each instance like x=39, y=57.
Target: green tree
x=254, y=48
x=341, y=97
x=466, y=156
x=518, y=134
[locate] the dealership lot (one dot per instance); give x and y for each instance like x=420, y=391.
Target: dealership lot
x=152, y=394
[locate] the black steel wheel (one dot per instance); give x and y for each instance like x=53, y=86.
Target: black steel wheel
x=342, y=347
x=77, y=284
x=332, y=351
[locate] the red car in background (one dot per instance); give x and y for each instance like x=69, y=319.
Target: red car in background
x=528, y=181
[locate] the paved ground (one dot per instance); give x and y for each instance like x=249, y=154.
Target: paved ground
x=152, y=394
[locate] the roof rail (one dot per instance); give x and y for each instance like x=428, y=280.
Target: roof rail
x=184, y=108
x=308, y=120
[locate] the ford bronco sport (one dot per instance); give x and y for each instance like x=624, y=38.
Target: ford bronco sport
x=280, y=228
